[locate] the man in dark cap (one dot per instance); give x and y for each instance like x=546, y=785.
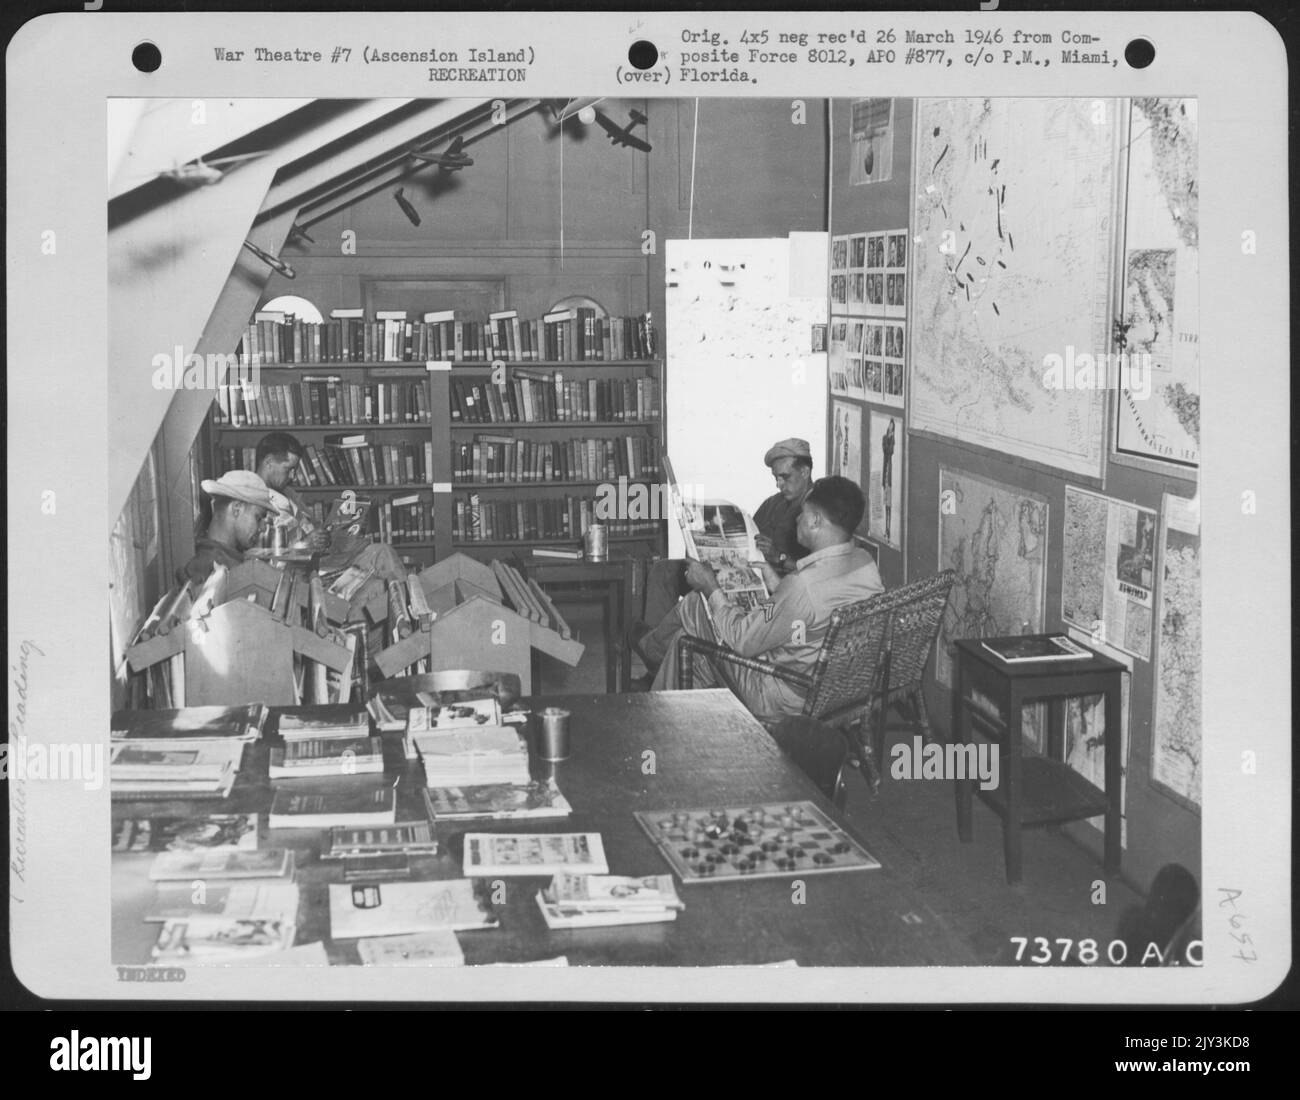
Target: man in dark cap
x=776, y=519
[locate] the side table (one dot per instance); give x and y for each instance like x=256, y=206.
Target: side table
x=1036, y=790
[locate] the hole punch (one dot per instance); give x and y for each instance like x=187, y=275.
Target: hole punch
x=146, y=57
x=643, y=55
x=1139, y=53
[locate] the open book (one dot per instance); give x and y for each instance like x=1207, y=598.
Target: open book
x=722, y=536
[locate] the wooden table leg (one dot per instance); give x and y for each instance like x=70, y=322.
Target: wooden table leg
x=1010, y=771
x=612, y=643
x=1113, y=747
x=961, y=733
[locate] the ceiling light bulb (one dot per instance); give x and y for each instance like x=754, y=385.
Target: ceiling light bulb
x=587, y=116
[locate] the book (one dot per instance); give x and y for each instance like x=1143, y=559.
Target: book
x=438, y=948
x=368, y=805
x=231, y=900
x=472, y=756
x=723, y=537
x=189, y=723
x=402, y=908
x=433, y=716
x=558, y=916
x=134, y=790
x=214, y=938
x=541, y=798
x=1036, y=647
x=534, y=854
x=184, y=834
x=223, y=864
x=345, y=721
x=602, y=892
x=409, y=837
x=327, y=756
x=174, y=759
x=557, y=552
x=303, y=954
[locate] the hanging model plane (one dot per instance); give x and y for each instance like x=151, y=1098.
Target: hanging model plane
x=452, y=160
x=624, y=136
x=273, y=262
x=204, y=173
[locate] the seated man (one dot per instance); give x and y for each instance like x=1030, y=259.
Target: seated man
x=241, y=506
x=789, y=630
x=791, y=464
x=279, y=455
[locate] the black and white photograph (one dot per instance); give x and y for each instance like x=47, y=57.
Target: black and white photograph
x=403, y=393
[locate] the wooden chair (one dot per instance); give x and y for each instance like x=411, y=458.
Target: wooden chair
x=819, y=750
x=873, y=657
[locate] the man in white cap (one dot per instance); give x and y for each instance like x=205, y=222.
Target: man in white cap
x=776, y=519
x=241, y=506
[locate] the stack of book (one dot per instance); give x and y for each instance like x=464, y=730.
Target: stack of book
x=317, y=757
x=190, y=752
x=537, y=397
x=342, y=721
x=473, y=756
x=394, y=702
x=588, y=901
x=541, y=798
x=366, y=804
x=566, y=517
x=248, y=907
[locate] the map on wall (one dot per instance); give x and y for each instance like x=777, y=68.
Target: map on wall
x=1013, y=231
x=1176, y=739
x=1159, y=411
x=1108, y=570
x=995, y=537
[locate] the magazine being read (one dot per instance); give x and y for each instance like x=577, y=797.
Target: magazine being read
x=722, y=536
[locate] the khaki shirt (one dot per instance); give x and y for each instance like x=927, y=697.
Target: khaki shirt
x=790, y=629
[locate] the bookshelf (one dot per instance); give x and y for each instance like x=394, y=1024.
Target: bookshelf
x=522, y=445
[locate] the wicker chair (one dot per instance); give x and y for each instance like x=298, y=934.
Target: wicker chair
x=873, y=657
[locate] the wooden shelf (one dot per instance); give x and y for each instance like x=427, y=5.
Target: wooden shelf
x=458, y=426
x=360, y=488
x=456, y=485
x=410, y=425
x=562, y=543
x=486, y=368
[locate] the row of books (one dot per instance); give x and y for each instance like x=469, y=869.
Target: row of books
x=350, y=460
x=568, y=335
x=566, y=517
x=506, y=459
x=323, y=399
x=395, y=520
x=540, y=397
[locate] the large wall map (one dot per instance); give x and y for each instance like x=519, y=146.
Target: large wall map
x=1014, y=220
x=1160, y=409
x=1176, y=739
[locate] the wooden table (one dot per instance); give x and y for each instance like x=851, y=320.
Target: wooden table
x=677, y=750
x=1037, y=790
x=614, y=583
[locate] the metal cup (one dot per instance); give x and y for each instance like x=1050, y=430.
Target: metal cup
x=596, y=543
x=553, y=742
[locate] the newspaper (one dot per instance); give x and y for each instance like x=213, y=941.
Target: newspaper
x=723, y=537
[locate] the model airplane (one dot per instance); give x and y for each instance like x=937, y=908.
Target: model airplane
x=624, y=136
x=452, y=160
x=201, y=173
x=273, y=262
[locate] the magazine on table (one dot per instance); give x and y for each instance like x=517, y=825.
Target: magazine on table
x=724, y=537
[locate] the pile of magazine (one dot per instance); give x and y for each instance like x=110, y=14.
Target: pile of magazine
x=190, y=752
x=466, y=745
x=586, y=901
